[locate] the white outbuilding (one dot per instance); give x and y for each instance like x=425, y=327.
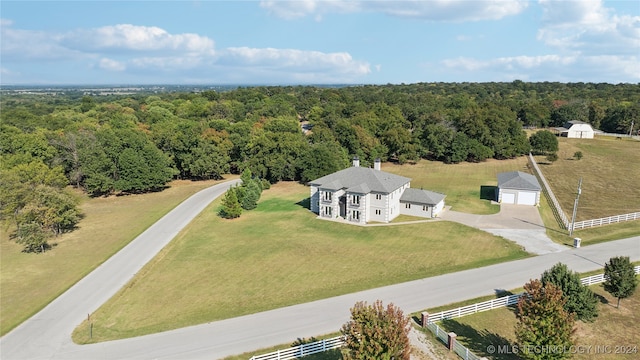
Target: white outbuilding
x=576, y=130
x=518, y=188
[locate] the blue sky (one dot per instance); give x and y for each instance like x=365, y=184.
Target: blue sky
x=318, y=42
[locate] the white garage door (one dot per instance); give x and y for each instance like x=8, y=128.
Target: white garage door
x=526, y=198
x=508, y=198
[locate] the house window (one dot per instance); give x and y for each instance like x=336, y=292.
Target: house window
x=327, y=196
x=378, y=212
x=327, y=210
x=424, y=207
x=378, y=196
x=407, y=206
x=355, y=215
x=355, y=199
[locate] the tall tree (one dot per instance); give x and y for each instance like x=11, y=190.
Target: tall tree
x=579, y=299
x=376, y=332
x=543, y=142
x=621, y=278
x=543, y=323
x=231, y=208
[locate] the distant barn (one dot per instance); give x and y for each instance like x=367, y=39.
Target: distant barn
x=576, y=130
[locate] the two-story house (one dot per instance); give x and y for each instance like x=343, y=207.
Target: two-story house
x=361, y=195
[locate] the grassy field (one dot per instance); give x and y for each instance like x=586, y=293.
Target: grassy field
x=610, y=170
x=612, y=328
x=31, y=281
x=468, y=186
x=279, y=255
x=589, y=236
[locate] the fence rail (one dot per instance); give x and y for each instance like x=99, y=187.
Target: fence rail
x=299, y=351
x=546, y=189
x=605, y=221
x=503, y=301
x=561, y=217
x=463, y=351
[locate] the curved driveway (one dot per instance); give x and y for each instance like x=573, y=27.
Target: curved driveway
x=47, y=334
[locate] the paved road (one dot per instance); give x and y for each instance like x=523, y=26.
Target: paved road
x=47, y=334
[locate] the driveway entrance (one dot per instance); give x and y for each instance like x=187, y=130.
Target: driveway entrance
x=519, y=223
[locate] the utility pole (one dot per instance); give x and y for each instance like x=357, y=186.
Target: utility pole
x=575, y=208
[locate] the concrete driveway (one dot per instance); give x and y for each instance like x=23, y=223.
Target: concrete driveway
x=519, y=223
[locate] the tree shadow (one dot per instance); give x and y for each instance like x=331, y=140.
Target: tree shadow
x=502, y=293
x=305, y=203
x=488, y=192
x=482, y=343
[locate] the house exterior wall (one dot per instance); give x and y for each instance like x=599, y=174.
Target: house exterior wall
x=394, y=201
x=412, y=209
x=437, y=209
x=356, y=208
x=328, y=204
x=314, y=199
x=371, y=207
x=378, y=207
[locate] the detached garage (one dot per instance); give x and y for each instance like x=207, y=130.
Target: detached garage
x=518, y=188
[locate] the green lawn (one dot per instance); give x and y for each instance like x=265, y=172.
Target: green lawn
x=30, y=281
x=613, y=327
x=279, y=255
x=468, y=186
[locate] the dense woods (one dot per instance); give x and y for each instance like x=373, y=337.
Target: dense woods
x=137, y=143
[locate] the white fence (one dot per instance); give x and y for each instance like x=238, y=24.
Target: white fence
x=560, y=215
x=316, y=347
x=557, y=209
x=303, y=350
x=475, y=308
x=604, y=221
x=458, y=348
x=502, y=302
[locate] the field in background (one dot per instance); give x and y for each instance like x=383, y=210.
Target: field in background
x=462, y=183
x=279, y=255
x=610, y=170
x=30, y=281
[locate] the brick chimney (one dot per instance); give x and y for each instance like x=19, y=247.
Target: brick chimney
x=356, y=161
x=376, y=164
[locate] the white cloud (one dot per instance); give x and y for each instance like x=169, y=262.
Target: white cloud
x=433, y=10
x=111, y=65
x=589, y=28
x=550, y=68
x=127, y=37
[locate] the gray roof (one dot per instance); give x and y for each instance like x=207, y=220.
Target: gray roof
x=361, y=180
x=518, y=180
x=419, y=196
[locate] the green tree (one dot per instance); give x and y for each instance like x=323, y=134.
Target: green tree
x=579, y=299
x=621, y=280
x=578, y=155
x=251, y=196
x=552, y=157
x=231, y=208
x=376, y=332
x=543, y=323
x=33, y=237
x=543, y=142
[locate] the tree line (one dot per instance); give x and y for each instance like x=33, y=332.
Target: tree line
x=138, y=143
